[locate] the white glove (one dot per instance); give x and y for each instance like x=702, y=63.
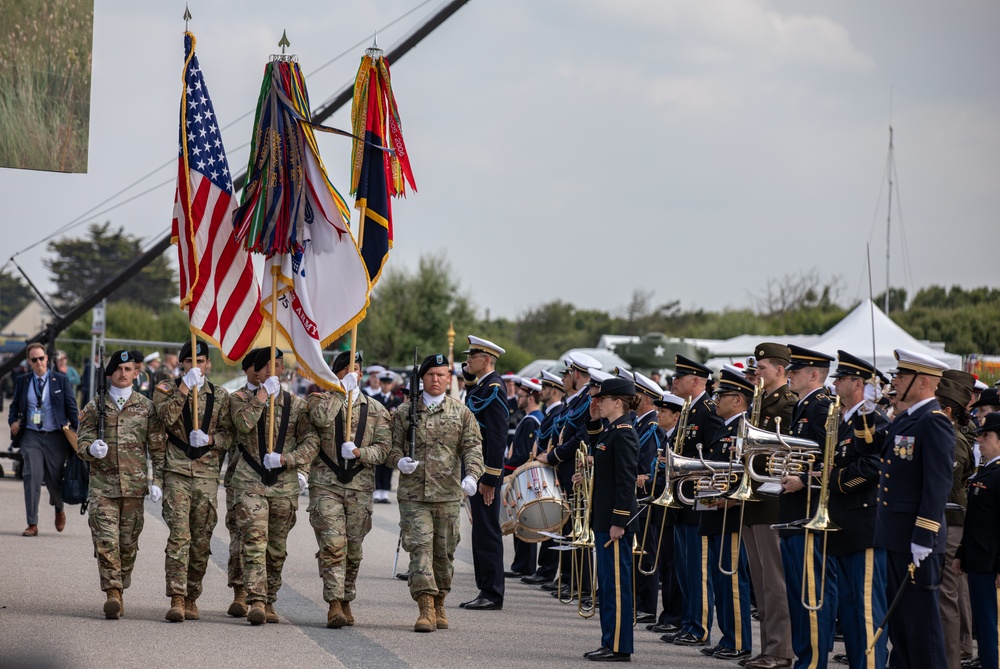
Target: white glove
x=350, y=381
x=469, y=486
x=407, y=465
x=920, y=553
x=303, y=484
x=272, y=385
x=197, y=438
x=98, y=449
x=347, y=450
x=193, y=378
x=272, y=460
x=155, y=494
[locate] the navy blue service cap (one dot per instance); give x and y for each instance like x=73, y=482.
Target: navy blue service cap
x=803, y=357
x=731, y=381
x=852, y=365
x=688, y=367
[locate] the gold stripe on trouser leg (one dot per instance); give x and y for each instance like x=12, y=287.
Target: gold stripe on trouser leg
x=704, y=589
x=734, y=556
x=810, y=577
x=869, y=623
x=998, y=616
x=618, y=597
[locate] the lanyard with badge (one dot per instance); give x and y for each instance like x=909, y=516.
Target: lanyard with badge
x=36, y=415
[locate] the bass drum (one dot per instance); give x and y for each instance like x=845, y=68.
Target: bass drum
x=538, y=501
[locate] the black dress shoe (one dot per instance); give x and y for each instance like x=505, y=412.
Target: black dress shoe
x=710, y=651
x=513, y=574
x=745, y=660
x=730, y=654
x=550, y=586
x=688, y=639
x=534, y=579
x=670, y=636
x=664, y=628
x=481, y=604
x=610, y=656
x=642, y=617
x=403, y=576
x=841, y=658
x=602, y=649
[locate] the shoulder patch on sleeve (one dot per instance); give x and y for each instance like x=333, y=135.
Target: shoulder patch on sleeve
x=164, y=387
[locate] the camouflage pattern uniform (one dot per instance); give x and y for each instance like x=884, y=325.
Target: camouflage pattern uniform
x=430, y=498
x=265, y=514
x=340, y=512
x=235, y=566
x=190, y=487
x=118, y=482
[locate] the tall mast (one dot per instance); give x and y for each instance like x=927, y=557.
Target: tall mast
x=888, y=221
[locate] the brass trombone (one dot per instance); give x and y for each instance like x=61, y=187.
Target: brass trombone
x=821, y=521
x=682, y=425
x=744, y=492
x=650, y=502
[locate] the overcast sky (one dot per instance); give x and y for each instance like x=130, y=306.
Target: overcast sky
x=581, y=149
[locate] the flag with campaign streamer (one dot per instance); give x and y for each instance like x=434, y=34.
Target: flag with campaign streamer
x=218, y=285
x=377, y=174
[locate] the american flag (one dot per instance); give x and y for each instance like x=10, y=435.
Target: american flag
x=218, y=284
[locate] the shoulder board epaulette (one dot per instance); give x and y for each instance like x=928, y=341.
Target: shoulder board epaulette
x=941, y=413
x=627, y=425
x=822, y=396
x=494, y=385
x=164, y=387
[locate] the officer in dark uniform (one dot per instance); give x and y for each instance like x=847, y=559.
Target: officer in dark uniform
x=913, y=488
x=521, y=451
x=721, y=524
x=648, y=430
x=812, y=632
x=774, y=413
x=853, y=489
x=616, y=453
x=486, y=397
x=385, y=397
x=979, y=553
x=668, y=411
x=552, y=396
x=689, y=382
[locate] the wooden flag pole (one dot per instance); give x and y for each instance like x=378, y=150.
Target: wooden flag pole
x=354, y=342
x=275, y=269
x=194, y=363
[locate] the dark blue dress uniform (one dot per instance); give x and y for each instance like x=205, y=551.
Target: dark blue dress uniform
x=691, y=549
x=915, y=480
x=646, y=587
x=812, y=631
x=979, y=553
x=525, y=438
x=487, y=400
x=548, y=559
x=616, y=455
x=731, y=593
x=670, y=589
x=860, y=566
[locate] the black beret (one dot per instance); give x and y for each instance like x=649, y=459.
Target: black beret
x=263, y=357
x=616, y=386
x=340, y=362
x=431, y=361
x=250, y=359
x=117, y=358
x=186, y=350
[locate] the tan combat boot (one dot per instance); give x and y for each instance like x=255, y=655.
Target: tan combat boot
x=442, y=619
x=238, y=609
x=348, y=616
x=426, y=622
x=335, y=616
x=176, y=612
x=256, y=614
x=113, y=606
x=191, y=609
x=269, y=613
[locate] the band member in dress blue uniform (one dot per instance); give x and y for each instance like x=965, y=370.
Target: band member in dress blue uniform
x=486, y=397
x=521, y=451
x=812, y=631
x=552, y=396
x=732, y=592
x=381, y=392
x=648, y=430
x=689, y=382
x=915, y=480
x=668, y=411
x=616, y=453
x=853, y=489
x=979, y=553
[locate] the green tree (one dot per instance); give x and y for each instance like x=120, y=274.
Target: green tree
x=82, y=265
x=14, y=296
x=130, y=321
x=897, y=300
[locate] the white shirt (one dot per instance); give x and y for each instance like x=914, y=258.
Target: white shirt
x=432, y=400
x=918, y=405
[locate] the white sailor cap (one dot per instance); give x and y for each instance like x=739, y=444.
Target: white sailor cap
x=478, y=345
x=980, y=386
x=550, y=379
x=375, y=370
x=670, y=401
x=511, y=376
x=597, y=377
x=155, y=355
x=915, y=363
x=582, y=362
x=531, y=385
x=733, y=369
x=647, y=386
x=623, y=373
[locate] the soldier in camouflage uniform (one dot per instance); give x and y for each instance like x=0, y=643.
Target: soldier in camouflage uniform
x=267, y=485
x=238, y=609
x=188, y=471
x=118, y=465
x=341, y=485
x=430, y=490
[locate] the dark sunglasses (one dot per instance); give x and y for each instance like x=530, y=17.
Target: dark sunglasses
x=38, y=359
